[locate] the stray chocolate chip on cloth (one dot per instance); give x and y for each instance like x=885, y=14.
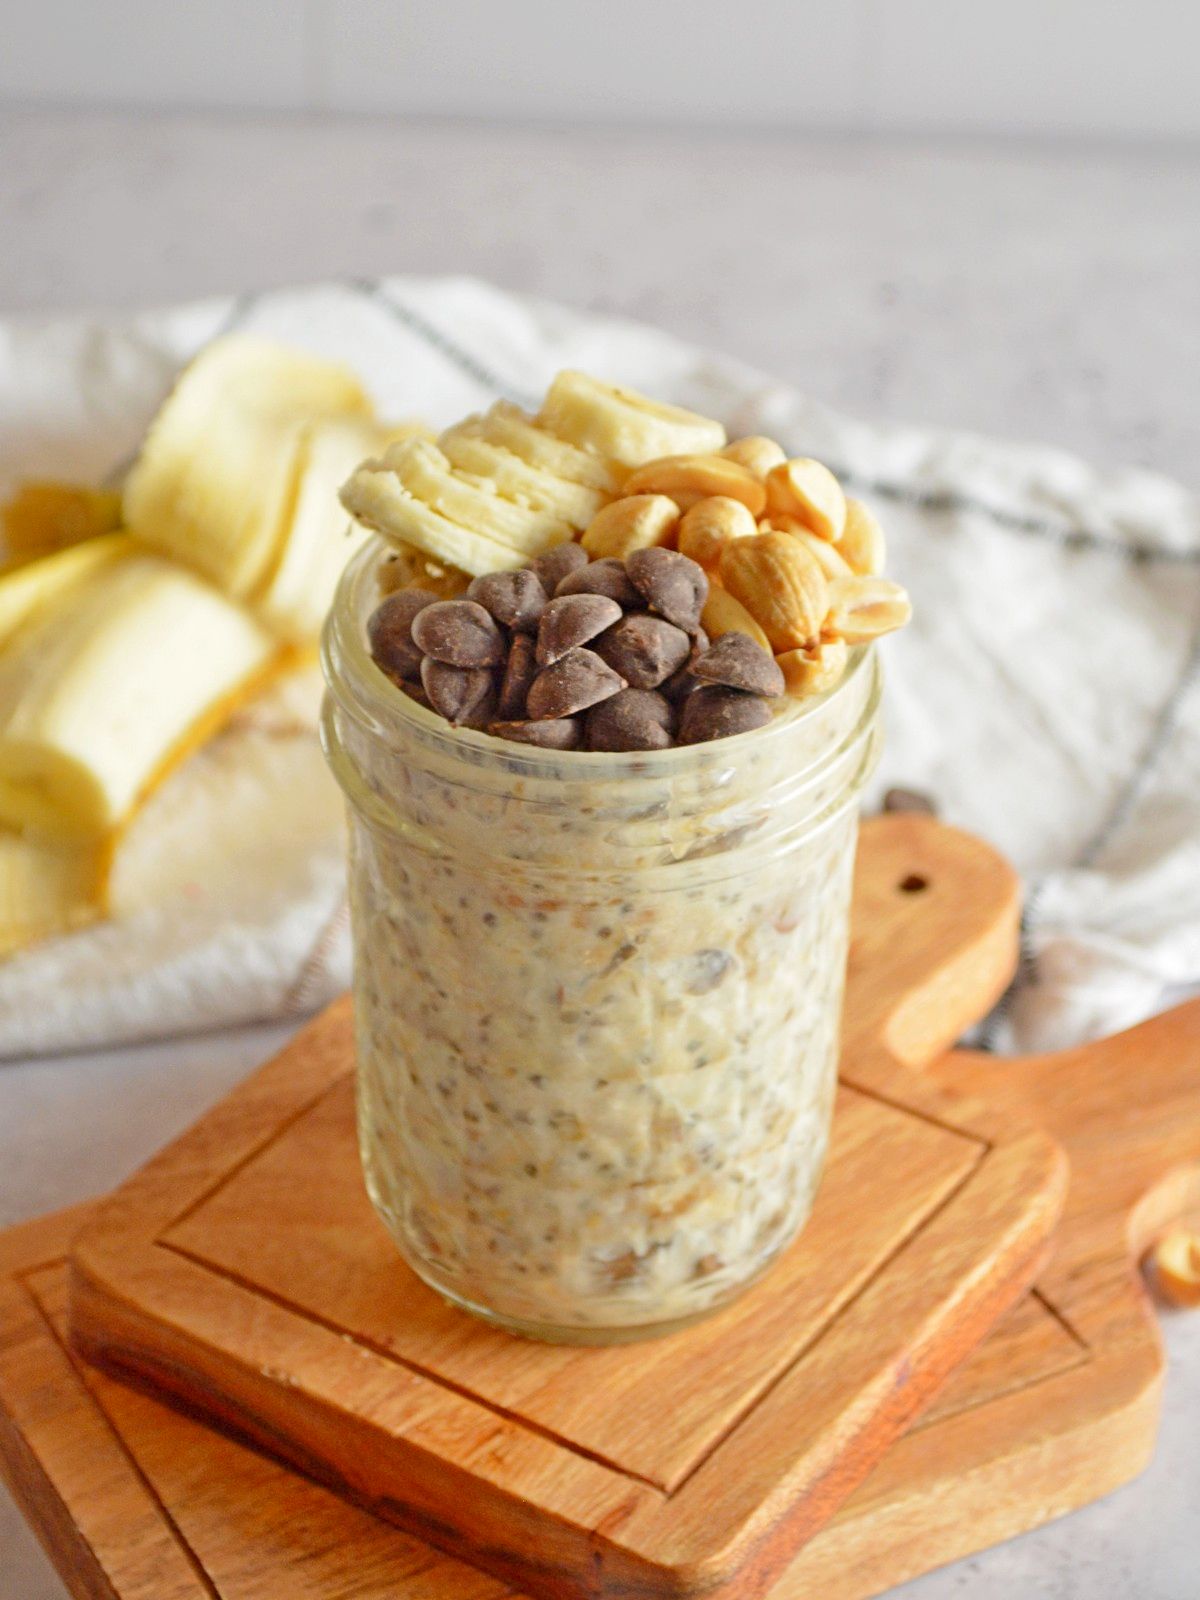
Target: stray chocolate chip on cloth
x=571, y=654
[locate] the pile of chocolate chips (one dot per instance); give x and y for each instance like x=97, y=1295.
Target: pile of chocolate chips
x=573, y=654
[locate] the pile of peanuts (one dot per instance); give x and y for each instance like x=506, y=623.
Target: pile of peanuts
x=792, y=561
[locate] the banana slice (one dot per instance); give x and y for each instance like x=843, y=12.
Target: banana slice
x=516, y=480
x=318, y=541
x=29, y=589
x=474, y=503
x=512, y=429
x=377, y=498
x=621, y=425
x=48, y=888
x=104, y=691
x=212, y=484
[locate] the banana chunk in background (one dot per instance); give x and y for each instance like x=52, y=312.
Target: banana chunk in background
x=108, y=686
x=319, y=538
x=47, y=889
x=214, y=485
x=32, y=587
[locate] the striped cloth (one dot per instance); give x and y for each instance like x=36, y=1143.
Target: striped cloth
x=1048, y=692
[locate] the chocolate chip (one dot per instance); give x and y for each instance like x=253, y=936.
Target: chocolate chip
x=456, y=693
x=644, y=650
x=673, y=585
x=460, y=633
x=739, y=662
x=516, y=599
x=606, y=576
x=634, y=719
x=897, y=800
x=519, y=672
x=558, y=733
x=416, y=691
x=553, y=565
x=573, y=619
x=682, y=683
x=573, y=683
x=389, y=632
x=714, y=712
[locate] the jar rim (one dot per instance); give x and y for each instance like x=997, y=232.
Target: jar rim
x=346, y=662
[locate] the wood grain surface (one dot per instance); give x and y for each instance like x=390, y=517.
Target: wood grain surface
x=231, y=1276
x=1058, y=1406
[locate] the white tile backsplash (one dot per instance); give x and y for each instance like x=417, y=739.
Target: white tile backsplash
x=1094, y=67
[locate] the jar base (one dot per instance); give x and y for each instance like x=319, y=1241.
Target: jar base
x=574, y=1334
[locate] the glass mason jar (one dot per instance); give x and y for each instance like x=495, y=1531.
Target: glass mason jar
x=597, y=996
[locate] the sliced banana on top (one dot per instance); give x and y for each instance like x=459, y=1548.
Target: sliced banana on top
x=623, y=426
x=376, y=498
x=512, y=429
x=473, y=502
x=516, y=480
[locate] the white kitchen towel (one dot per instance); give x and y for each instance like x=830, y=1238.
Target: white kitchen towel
x=1047, y=693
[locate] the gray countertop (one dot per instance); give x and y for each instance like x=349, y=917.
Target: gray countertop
x=1036, y=292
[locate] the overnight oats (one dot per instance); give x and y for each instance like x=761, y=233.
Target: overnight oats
x=602, y=798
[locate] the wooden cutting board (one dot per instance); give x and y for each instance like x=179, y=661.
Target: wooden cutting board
x=134, y=1501
x=1057, y=1407
x=244, y=1274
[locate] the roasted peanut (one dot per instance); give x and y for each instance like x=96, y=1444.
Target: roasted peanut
x=723, y=614
x=827, y=556
x=780, y=585
x=1175, y=1267
x=710, y=524
x=861, y=609
x=690, y=478
x=809, y=492
x=757, y=454
x=633, y=523
x=814, y=669
x=862, y=542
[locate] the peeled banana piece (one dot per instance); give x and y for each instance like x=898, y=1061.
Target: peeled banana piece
x=214, y=480
x=31, y=588
x=48, y=888
x=104, y=690
x=319, y=540
x=47, y=515
x=623, y=426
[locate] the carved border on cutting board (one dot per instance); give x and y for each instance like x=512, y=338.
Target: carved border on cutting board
x=756, y=1395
